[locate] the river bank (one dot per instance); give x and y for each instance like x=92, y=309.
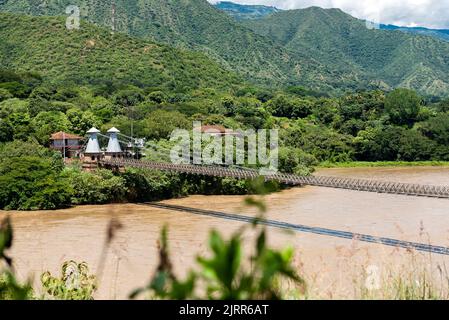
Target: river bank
x=380, y=164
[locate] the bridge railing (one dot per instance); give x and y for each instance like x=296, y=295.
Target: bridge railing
x=290, y=179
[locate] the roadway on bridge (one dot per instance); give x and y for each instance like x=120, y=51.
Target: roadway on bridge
x=406, y=189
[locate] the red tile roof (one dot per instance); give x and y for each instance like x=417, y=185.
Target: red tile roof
x=212, y=128
x=63, y=135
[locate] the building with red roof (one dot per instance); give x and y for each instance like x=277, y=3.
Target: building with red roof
x=68, y=144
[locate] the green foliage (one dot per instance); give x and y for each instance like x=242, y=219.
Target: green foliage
x=10, y=289
x=403, y=106
x=98, y=187
x=93, y=55
x=296, y=161
x=6, y=131
x=319, y=141
x=323, y=49
x=224, y=274
x=284, y=106
x=160, y=124
x=17, y=149
x=393, y=143
x=437, y=129
x=46, y=123
x=75, y=283
x=157, y=97
x=145, y=185
x=31, y=183
x=5, y=94
x=81, y=122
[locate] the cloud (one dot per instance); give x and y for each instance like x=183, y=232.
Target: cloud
x=426, y=13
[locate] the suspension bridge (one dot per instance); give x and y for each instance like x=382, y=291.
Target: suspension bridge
x=122, y=152
x=114, y=158
x=416, y=190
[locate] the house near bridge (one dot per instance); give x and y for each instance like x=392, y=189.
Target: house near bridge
x=68, y=144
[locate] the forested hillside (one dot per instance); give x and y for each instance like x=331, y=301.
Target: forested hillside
x=325, y=50
x=193, y=24
x=242, y=11
x=95, y=55
x=388, y=58
x=442, y=34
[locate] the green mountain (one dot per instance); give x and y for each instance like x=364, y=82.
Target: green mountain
x=321, y=49
x=442, y=34
x=242, y=11
x=334, y=38
x=192, y=24
x=95, y=55
x=195, y=24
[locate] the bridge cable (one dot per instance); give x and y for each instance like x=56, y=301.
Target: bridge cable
x=306, y=229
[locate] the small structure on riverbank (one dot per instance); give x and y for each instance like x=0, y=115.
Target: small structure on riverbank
x=68, y=144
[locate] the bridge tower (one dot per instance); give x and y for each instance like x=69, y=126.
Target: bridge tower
x=114, y=150
x=93, y=152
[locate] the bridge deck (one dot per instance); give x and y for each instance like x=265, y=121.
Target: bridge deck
x=290, y=179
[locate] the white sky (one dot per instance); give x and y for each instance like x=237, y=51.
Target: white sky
x=411, y=13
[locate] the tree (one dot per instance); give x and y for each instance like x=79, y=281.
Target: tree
x=46, y=123
x=17, y=89
x=99, y=187
x=392, y=144
x=31, y=183
x=17, y=149
x=293, y=160
x=6, y=131
x=103, y=109
x=129, y=97
x=437, y=129
x=403, y=106
x=160, y=124
x=283, y=106
x=157, y=97
x=81, y=122
x=5, y=94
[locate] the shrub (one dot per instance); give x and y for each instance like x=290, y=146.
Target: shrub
x=31, y=183
x=224, y=273
x=98, y=187
x=75, y=283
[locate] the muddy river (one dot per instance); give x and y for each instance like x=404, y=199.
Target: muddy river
x=333, y=267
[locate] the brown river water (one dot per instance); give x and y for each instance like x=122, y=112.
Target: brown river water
x=333, y=267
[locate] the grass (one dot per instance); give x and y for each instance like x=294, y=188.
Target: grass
x=361, y=164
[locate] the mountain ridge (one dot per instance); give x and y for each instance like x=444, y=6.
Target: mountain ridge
x=243, y=11
x=323, y=49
